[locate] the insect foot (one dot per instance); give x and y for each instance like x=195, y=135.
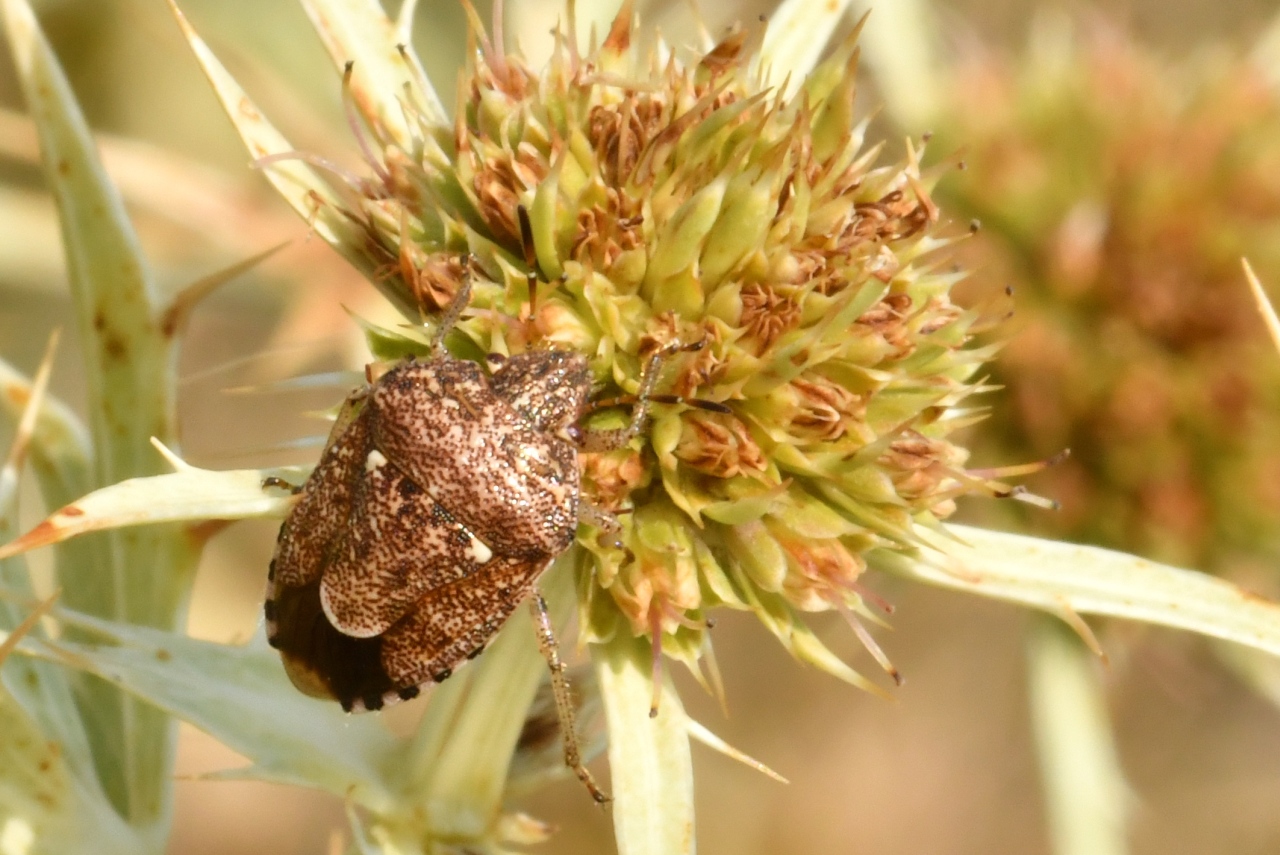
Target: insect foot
x=563, y=697
x=273, y=482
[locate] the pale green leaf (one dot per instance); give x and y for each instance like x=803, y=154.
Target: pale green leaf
x=711, y=740
x=1065, y=577
x=385, y=68
x=44, y=808
x=128, y=373
x=190, y=495
x=1085, y=791
x=296, y=182
x=127, y=359
x=38, y=688
x=50, y=799
x=177, y=314
x=60, y=451
x=651, y=769
x=239, y=695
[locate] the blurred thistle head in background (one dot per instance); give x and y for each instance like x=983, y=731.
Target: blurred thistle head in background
x=1118, y=190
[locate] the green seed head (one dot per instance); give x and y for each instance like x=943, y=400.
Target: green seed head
x=672, y=199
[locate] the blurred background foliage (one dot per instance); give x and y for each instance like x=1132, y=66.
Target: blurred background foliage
x=1118, y=175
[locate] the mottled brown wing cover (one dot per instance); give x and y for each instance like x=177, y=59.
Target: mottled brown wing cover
x=393, y=567
x=509, y=482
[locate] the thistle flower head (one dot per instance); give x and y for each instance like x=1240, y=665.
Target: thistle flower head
x=1121, y=191
x=677, y=200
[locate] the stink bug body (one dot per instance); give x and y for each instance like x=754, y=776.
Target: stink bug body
x=441, y=497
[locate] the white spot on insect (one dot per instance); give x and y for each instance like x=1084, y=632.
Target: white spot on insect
x=374, y=460
x=531, y=458
x=478, y=551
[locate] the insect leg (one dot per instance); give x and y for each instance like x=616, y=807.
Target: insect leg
x=609, y=440
x=280, y=483
x=596, y=516
x=460, y=300
x=564, y=699
x=629, y=400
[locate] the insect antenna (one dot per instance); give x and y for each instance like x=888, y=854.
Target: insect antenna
x=608, y=440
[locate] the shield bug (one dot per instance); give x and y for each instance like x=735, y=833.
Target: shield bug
x=442, y=495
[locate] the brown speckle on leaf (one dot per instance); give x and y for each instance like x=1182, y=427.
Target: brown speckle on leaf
x=247, y=110
x=114, y=347
x=17, y=395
